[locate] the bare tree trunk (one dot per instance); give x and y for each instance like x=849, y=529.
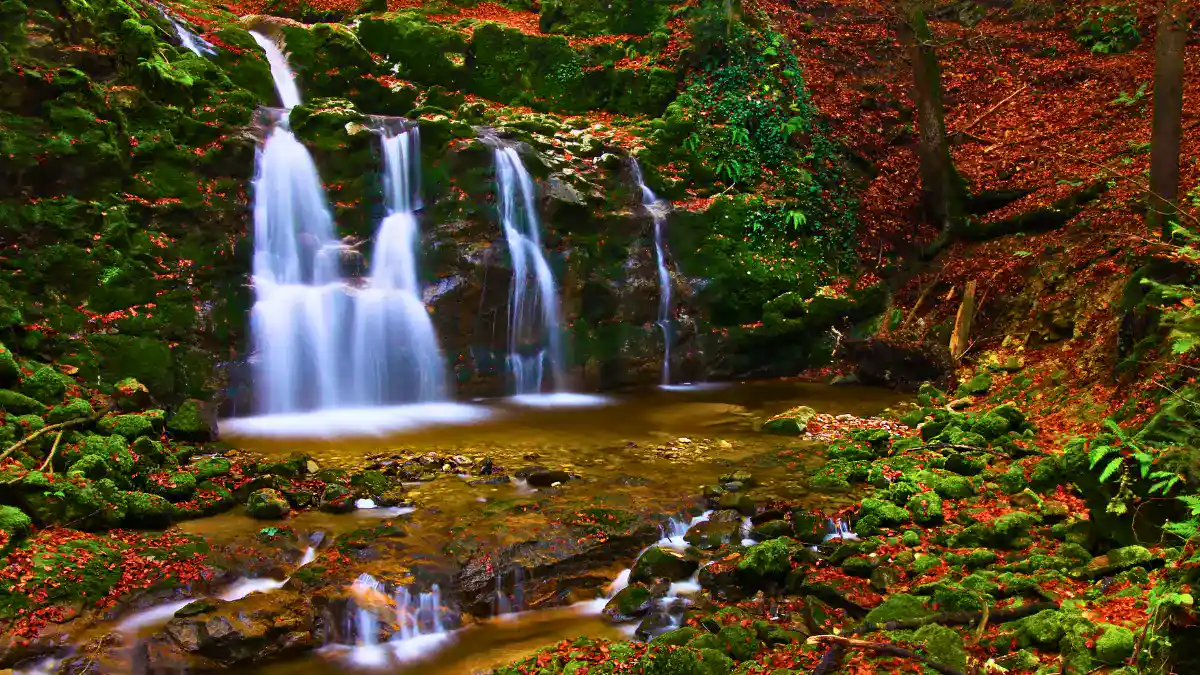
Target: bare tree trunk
x=1168, y=117
x=960, y=338
x=942, y=191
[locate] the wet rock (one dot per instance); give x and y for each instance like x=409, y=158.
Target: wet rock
x=737, y=501
x=794, y=422
x=543, y=478
x=654, y=625
x=767, y=564
x=267, y=505
x=884, y=577
x=721, y=528
x=632, y=602
x=662, y=563
x=258, y=628
x=337, y=499
x=194, y=420
x=772, y=530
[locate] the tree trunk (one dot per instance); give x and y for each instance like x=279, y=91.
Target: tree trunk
x=1168, y=117
x=942, y=191
x=960, y=338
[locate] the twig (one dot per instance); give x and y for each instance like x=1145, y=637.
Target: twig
x=990, y=110
x=53, y=449
x=61, y=425
x=912, y=313
x=884, y=648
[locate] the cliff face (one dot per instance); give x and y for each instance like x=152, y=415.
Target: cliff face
x=130, y=149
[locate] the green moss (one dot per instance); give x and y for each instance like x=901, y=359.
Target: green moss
x=128, y=426
x=14, y=523
x=89, y=466
x=657, y=562
x=926, y=508
x=1044, y=629
x=629, y=603
x=267, y=505
x=944, y=645
x=212, y=468
x=677, y=637
x=793, y=422
x=179, y=486
x=147, y=510
x=46, y=385
x=75, y=408
x=189, y=422
x=1115, y=645
x=898, y=607
x=370, y=483
x=144, y=359
x=19, y=404
x=337, y=499
x=10, y=372
x=738, y=642
x=976, y=386
x=767, y=561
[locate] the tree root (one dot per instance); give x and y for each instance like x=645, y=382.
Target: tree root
x=53, y=449
x=880, y=648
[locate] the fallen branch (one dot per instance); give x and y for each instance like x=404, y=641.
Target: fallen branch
x=884, y=648
x=912, y=313
x=947, y=446
x=53, y=449
x=990, y=110
x=61, y=425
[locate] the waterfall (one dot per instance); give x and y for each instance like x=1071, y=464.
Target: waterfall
x=658, y=209
x=187, y=39
x=386, y=369
x=319, y=343
x=534, y=333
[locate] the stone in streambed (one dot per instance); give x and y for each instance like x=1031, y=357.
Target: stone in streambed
x=722, y=527
x=793, y=422
x=661, y=563
x=543, y=478
x=267, y=504
x=337, y=499
x=632, y=602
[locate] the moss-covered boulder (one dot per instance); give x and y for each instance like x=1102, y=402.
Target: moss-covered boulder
x=632, y=602
x=875, y=514
x=943, y=644
x=212, y=467
x=191, y=421
x=899, y=607
x=1115, y=645
x=129, y=426
x=130, y=395
x=176, y=486
x=768, y=562
x=926, y=508
x=722, y=527
x=976, y=386
x=10, y=372
x=20, y=404
x=46, y=385
x=75, y=408
x=267, y=505
x=147, y=510
x=370, y=483
x=793, y=422
x=14, y=524
x=337, y=499
x=663, y=563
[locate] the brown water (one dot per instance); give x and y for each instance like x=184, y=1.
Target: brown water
x=647, y=452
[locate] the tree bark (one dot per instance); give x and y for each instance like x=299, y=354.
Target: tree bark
x=942, y=191
x=960, y=338
x=1168, y=117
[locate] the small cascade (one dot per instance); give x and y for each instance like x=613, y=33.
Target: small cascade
x=839, y=529
x=673, y=534
x=151, y=616
x=747, y=526
x=417, y=619
x=535, y=358
x=658, y=209
x=510, y=605
x=187, y=39
x=387, y=370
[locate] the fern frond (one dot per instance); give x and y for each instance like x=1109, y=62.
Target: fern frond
x=1098, y=453
x=1110, y=469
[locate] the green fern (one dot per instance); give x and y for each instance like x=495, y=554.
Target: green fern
x=1098, y=453
x=1110, y=469
x=1164, y=481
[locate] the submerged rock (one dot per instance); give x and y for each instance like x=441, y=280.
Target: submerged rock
x=267, y=504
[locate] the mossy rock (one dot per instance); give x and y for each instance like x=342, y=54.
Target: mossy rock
x=20, y=404
x=337, y=499
x=657, y=562
x=898, y=607
x=739, y=643
x=179, y=486
x=151, y=453
x=46, y=385
x=93, y=467
x=146, y=510
x=75, y=408
x=131, y=395
x=212, y=467
x=943, y=644
x=370, y=483
x=767, y=562
x=632, y=602
x=14, y=523
x=976, y=386
x=663, y=660
x=678, y=637
x=10, y=372
x=1044, y=629
x=794, y=422
x=143, y=359
x=190, y=421
x=926, y=508
x=1115, y=645
x=129, y=426
x=267, y=504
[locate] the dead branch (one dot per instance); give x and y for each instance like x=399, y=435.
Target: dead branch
x=997, y=616
x=912, y=313
x=884, y=648
x=990, y=110
x=53, y=449
x=61, y=425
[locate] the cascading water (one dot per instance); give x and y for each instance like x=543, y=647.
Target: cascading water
x=534, y=333
x=417, y=619
x=658, y=209
x=388, y=370
x=321, y=344
x=300, y=300
x=187, y=39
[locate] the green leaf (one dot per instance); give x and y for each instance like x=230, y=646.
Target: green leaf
x=1110, y=469
x=1098, y=453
